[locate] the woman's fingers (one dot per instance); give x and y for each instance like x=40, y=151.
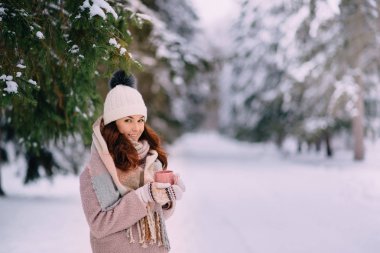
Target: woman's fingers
x=161, y=185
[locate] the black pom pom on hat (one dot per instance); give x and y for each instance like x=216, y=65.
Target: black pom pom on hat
x=122, y=78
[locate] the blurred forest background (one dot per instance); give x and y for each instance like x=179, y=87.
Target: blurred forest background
x=307, y=70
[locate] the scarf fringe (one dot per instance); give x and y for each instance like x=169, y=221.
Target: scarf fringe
x=151, y=230
x=130, y=235
x=164, y=235
x=158, y=229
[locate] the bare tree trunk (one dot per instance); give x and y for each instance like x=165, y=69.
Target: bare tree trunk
x=299, y=146
x=359, y=37
x=358, y=121
x=329, y=152
x=2, y=193
x=318, y=143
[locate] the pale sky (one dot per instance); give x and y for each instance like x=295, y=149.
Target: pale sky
x=214, y=11
x=216, y=17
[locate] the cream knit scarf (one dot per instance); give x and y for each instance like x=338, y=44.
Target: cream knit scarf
x=109, y=188
x=151, y=229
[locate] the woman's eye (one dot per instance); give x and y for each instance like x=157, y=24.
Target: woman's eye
x=128, y=120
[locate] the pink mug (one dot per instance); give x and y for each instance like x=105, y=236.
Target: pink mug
x=164, y=176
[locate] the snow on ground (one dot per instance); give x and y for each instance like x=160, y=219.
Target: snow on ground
x=240, y=198
x=249, y=198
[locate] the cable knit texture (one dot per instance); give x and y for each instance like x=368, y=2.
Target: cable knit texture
x=119, y=221
x=123, y=101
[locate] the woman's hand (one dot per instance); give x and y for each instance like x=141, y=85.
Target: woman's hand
x=154, y=192
x=161, y=193
x=178, y=187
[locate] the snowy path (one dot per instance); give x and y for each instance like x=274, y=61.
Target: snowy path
x=237, y=200
x=252, y=201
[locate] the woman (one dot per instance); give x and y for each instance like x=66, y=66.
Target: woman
x=124, y=207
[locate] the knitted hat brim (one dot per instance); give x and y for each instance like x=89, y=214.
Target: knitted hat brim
x=124, y=111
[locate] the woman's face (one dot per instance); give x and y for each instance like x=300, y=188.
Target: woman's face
x=131, y=126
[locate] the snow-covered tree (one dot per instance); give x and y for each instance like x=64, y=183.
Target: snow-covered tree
x=172, y=80
x=339, y=66
x=322, y=58
x=259, y=85
x=58, y=55
x=50, y=56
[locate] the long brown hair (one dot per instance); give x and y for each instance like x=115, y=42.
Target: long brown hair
x=122, y=150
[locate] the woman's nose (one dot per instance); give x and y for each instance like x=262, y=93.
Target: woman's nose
x=134, y=126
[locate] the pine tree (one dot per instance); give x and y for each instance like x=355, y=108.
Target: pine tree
x=328, y=65
x=259, y=86
x=343, y=50
x=53, y=52
x=318, y=35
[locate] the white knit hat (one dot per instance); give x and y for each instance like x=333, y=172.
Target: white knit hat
x=123, y=101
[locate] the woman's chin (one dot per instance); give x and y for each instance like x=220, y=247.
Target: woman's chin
x=133, y=138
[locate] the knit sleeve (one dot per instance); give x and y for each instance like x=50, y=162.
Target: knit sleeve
x=123, y=215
